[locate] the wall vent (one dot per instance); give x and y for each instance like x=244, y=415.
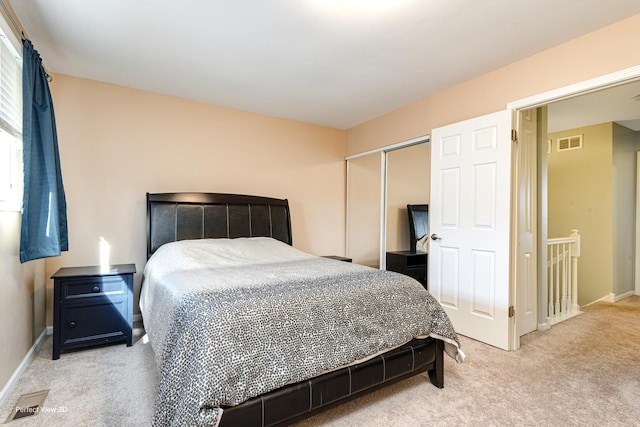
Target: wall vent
x=569, y=143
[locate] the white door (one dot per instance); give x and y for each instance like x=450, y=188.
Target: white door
x=470, y=205
x=526, y=264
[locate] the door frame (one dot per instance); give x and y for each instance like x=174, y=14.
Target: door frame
x=525, y=168
x=617, y=78
x=602, y=82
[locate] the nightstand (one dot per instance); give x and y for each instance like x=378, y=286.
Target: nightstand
x=92, y=306
x=412, y=264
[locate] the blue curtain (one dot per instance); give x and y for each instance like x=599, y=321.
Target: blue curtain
x=44, y=207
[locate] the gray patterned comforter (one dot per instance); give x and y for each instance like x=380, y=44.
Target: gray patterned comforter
x=232, y=319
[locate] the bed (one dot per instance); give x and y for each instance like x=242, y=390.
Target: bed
x=249, y=331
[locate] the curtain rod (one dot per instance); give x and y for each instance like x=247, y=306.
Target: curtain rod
x=20, y=32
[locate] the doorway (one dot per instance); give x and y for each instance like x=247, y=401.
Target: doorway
x=562, y=108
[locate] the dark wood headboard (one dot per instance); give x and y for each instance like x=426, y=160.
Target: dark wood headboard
x=181, y=216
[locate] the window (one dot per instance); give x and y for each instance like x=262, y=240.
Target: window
x=10, y=122
x=10, y=172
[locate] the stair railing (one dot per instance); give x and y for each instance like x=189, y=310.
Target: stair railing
x=562, y=277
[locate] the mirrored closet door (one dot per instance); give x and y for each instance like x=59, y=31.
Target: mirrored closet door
x=364, y=201
x=380, y=184
x=407, y=183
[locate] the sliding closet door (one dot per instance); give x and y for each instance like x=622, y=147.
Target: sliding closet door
x=364, y=182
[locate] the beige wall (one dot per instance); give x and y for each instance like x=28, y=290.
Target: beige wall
x=21, y=298
x=595, y=54
x=580, y=195
x=117, y=143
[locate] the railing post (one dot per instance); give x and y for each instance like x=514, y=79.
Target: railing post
x=562, y=274
x=575, y=254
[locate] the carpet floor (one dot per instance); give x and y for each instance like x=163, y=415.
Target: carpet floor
x=582, y=372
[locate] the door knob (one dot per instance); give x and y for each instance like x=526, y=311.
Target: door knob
x=434, y=236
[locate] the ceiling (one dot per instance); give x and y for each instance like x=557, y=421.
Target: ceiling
x=336, y=63
x=620, y=104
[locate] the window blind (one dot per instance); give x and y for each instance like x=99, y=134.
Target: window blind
x=10, y=121
x=10, y=88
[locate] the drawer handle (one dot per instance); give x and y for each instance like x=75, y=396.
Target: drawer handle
x=72, y=324
x=96, y=289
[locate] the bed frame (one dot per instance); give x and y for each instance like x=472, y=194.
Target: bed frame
x=179, y=216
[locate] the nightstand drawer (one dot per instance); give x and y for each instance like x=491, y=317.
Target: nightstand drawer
x=103, y=320
x=93, y=286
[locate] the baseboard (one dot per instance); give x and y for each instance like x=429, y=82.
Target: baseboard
x=613, y=297
x=8, y=387
x=623, y=296
x=607, y=298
